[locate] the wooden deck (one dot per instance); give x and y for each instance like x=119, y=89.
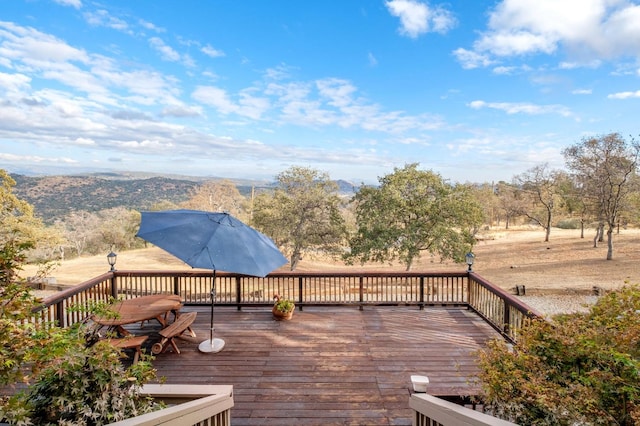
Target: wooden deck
x=328, y=365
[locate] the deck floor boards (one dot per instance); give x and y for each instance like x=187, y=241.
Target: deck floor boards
x=329, y=365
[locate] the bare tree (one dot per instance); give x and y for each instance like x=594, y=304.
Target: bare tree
x=218, y=196
x=510, y=201
x=605, y=166
x=542, y=187
x=80, y=229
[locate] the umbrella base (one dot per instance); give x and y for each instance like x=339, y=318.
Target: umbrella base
x=211, y=347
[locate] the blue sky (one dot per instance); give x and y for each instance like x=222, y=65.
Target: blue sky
x=477, y=91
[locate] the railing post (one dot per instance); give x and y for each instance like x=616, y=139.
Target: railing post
x=60, y=314
x=507, y=319
x=361, y=292
x=421, y=304
x=300, y=290
x=176, y=286
x=238, y=294
x=114, y=286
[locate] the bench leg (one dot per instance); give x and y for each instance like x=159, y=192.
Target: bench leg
x=136, y=355
x=174, y=346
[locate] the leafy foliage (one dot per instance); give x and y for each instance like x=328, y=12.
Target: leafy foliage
x=302, y=213
x=82, y=385
x=73, y=380
x=413, y=211
x=582, y=368
x=283, y=305
x=16, y=337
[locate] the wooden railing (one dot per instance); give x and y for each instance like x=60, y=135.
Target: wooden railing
x=503, y=311
x=188, y=405
x=431, y=411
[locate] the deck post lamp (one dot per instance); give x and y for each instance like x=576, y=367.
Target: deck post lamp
x=469, y=258
x=111, y=258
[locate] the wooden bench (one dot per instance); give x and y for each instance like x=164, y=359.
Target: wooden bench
x=179, y=326
x=129, y=343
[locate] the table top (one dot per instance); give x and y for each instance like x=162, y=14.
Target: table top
x=141, y=309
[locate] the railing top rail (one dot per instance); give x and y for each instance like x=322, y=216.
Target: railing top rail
x=72, y=291
x=512, y=300
x=333, y=273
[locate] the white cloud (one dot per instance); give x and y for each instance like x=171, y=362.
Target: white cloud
x=572, y=65
x=102, y=18
x=586, y=31
x=470, y=59
x=85, y=142
x=35, y=159
x=14, y=82
x=215, y=97
x=151, y=26
x=372, y=60
x=73, y=3
x=247, y=104
x=523, y=108
x=624, y=95
x=418, y=18
x=35, y=49
x=502, y=70
x=167, y=53
x=581, y=92
x=212, y=52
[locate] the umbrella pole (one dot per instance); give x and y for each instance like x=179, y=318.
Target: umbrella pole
x=212, y=345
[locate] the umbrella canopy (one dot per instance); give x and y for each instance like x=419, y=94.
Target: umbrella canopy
x=208, y=240
x=215, y=241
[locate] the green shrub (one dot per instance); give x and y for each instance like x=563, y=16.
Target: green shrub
x=568, y=224
x=582, y=368
x=73, y=378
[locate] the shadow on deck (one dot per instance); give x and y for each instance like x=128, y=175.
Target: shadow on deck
x=329, y=365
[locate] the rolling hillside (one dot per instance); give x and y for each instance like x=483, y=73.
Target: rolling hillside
x=54, y=197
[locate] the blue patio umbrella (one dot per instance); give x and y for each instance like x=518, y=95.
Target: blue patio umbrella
x=216, y=241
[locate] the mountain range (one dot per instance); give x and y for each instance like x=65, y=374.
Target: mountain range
x=55, y=196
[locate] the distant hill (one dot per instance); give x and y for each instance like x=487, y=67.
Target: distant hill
x=54, y=197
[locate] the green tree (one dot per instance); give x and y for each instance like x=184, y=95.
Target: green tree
x=117, y=231
x=19, y=224
x=17, y=221
x=604, y=167
x=302, y=213
x=16, y=302
x=73, y=378
x=580, y=368
x=412, y=211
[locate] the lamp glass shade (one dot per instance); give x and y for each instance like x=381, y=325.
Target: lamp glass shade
x=111, y=258
x=469, y=257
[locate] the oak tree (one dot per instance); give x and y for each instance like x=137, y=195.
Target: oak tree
x=302, y=213
x=413, y=211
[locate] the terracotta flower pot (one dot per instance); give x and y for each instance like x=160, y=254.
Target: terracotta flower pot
x=279, y=315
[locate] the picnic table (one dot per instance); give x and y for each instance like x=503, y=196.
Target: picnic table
x=140, y=309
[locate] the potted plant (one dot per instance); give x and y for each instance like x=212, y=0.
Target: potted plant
x=282, y=308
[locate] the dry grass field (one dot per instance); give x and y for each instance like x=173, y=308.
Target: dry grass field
x=566, y=264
